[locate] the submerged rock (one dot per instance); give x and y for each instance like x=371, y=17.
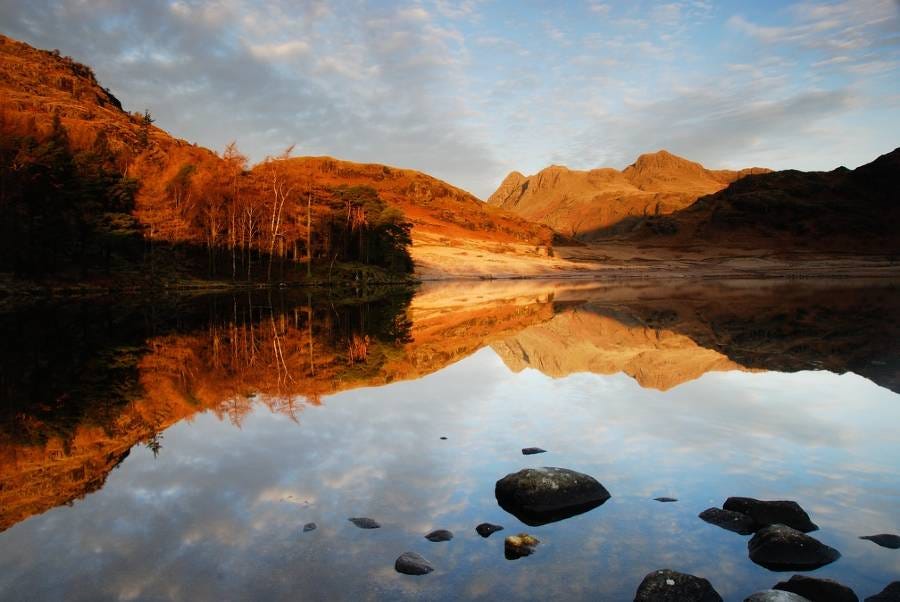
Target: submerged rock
x=885, y=540
x=781, y=548
x=309, y=527
x=487, y=529
x=517, y=546
x=410, y=563
x=775, y=512
x=439, y=535
x=819, y=590
x=666, y=585
x=365, y=523
x=733, y=521
x=665, y=499
x=537, y=496
x=776, y=595
x=530, y=451
x=891, y=593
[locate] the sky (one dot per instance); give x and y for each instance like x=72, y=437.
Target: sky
x=470, y=90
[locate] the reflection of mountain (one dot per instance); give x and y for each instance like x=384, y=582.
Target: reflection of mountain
x=583, y=340
x=117, y=375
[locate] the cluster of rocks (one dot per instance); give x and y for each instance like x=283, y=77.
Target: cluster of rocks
x=666, y=585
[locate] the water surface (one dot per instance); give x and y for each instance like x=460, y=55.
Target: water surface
x=174, y=450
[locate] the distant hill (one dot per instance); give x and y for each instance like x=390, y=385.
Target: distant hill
x=183, y=194
x=841, y=210
x=588, y=204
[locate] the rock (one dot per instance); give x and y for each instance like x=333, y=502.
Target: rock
x=487, y=529
x=885, y=540
x=891, y=593
x=777, y=512
x=671, y=586
x=666, y=499
x=537, y=496
x=820, y=590
x=530, y=451
x=309, y=527
x=733, y=521
x=439, y=535
x=517, y=546
x=781, y=548
x=776, y=595
x=410, y=563
x=365, y=523
x=443, y=438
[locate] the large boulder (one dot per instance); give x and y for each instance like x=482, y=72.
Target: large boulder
x=891, y=593
x=820, y=590
x=775, y=512
x=537, y=496
x=733, y=521
x=781, y=548
x=776, y=595
x=666, y=585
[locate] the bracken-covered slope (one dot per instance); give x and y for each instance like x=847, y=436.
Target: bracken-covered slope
x=36, y=84
x=841, y=210
x=590, y=203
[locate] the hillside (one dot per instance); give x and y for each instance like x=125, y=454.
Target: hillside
x=841, y=210
x=116, y=168
x=590, y=203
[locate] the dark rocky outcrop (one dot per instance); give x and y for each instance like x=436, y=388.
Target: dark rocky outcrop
x=891, y=593
x=781, y=548
x=410, y=563
x=776, y=595
x=666, y=585
x=487, y=529
x=537, y=496
x=818, y=590
x=733, y=521
x=518, y=546
x=365, y=523
x=439, y=535
x=776, y=512
x=885, y=540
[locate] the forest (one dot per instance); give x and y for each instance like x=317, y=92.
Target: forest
x=80, y=206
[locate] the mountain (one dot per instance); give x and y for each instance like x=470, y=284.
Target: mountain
x=589, y=203
x=841, y=210
x=57, y=119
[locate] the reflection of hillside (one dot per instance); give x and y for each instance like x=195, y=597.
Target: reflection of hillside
x=581, y=340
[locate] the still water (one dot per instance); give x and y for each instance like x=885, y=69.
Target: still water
x=174, y=450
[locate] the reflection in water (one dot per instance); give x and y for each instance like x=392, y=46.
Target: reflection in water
x=82, y=385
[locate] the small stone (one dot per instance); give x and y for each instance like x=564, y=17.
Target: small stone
x=518, y=546
x=726, y=519
x=891, y=593
x=365, y=523
x=309, y=527
x=410, y=563
x=666, y=585
x=530, y=451
x=885, y=540
x=487, y=529
x=666, y=500
x=820, y=590
x=443, y=438
x=439, y=535
x=781, y=548
x=775, y=595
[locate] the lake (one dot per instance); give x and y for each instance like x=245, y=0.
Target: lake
x=173, y=448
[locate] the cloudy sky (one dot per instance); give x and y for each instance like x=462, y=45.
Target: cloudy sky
x=468, y=90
